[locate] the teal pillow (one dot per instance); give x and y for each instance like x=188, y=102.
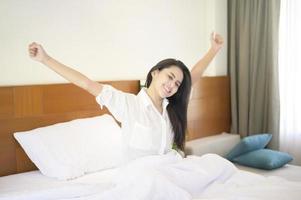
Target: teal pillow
x=264, y=159
x=250, y=143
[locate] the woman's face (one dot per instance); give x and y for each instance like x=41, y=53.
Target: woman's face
x=167, y=81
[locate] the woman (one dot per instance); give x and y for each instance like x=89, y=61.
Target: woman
x=157, y=117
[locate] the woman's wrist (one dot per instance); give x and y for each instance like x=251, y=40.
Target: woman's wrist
x=214, y=49
x=45, y=59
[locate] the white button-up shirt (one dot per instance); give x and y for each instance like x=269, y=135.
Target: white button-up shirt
x=145, y=130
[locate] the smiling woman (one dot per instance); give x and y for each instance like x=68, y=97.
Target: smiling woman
x=24, y=108
x=161, y=107
x=171, y=79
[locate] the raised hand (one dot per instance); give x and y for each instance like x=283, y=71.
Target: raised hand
x=36, y=52
x=216, y=41
x=199, y=68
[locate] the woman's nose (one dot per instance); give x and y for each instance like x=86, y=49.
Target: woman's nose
x=171, y=84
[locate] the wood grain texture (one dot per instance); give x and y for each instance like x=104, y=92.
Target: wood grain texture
x=6, y=102
x=28, y=101
x=209, y=107
x=24, y=108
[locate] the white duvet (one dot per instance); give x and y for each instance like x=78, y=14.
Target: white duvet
x=172, y=177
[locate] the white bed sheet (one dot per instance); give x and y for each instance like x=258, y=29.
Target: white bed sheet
x=222, y=143
x=245, y=185
x=212, y=183
x=288, y=172
x=34, y=185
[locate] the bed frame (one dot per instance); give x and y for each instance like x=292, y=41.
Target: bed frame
x=27, y=107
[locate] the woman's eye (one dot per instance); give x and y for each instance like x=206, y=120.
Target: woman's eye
x=170, y=77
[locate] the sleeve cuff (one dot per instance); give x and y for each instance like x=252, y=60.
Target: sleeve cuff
x=103, y=95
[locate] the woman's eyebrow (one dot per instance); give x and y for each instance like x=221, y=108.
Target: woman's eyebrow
x=173, y=75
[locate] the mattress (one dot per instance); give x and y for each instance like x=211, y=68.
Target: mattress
x=221, y=144
x=216, y=178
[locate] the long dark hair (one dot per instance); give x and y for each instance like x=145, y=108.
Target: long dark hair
x=178, y=103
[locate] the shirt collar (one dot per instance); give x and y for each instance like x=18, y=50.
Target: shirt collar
x=147, y=100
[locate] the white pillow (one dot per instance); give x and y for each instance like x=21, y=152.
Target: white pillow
x=71, y=149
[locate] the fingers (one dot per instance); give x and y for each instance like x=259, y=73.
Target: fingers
x=33, y=49
x=217, y=38
x=32, y=53
x=33, y=46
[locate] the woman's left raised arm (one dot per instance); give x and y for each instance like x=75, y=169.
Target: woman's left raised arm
x=199, y=68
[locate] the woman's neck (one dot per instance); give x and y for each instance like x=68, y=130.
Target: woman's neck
x=156, y=99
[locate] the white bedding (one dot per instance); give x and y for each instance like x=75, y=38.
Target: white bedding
x=246, y=185
x=155, y=177
x=288, y=172
x=34, y=185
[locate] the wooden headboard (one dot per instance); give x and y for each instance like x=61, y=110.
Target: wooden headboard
x=209, y=110
x=27, y=107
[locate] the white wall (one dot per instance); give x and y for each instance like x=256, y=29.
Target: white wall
x=107, y=39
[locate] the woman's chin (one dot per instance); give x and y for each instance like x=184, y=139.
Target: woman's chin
x=163, y=95
x=166, y=95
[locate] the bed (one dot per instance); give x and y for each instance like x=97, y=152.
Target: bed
x=24, y=108
x=222, y=144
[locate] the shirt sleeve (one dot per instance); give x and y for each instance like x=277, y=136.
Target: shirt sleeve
x=115, y=100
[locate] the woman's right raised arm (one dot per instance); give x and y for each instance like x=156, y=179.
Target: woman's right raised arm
x=36, y=52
